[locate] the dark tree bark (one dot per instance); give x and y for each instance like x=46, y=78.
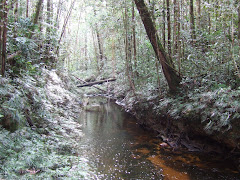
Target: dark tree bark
x=38, y=8
x=198, y=2
x=128, y=53
x=175, y=27
x=95, y=50
x=134, y=40
x=169, y=28
x=36, y=15
x=1, y=33
x=48, y=29
x=99, y=48
x=4, y=36
x=239, y=20
x=97, y=82
x=164, y=24
x=170, y=74
x=27, y=8
x=192, y=22
x=100, y=43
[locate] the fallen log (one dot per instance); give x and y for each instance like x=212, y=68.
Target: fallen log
x=96, y=82
x=93, y=85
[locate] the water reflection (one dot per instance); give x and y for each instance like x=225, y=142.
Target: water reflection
x=117, y=148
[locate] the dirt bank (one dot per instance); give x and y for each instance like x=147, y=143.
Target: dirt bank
x=187, y=130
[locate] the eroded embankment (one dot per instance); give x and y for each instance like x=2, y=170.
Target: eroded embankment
x=198, y=124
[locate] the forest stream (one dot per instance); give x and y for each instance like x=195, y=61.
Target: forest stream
x=116, y=147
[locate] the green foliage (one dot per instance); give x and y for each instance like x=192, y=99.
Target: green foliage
x=216, y=109
x=25, y=150
x=48, y=148
x=29, y=47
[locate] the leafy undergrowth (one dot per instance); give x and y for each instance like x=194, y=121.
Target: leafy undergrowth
x=39, y=130
x=26, y=154
x=210, y=111
x=217, y=109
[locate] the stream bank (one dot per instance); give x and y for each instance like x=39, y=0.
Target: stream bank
x=206, y=122
x=39, y=128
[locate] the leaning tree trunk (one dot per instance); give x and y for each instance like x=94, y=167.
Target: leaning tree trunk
x=170, y=74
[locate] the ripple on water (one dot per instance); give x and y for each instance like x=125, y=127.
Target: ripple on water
x=115, y=147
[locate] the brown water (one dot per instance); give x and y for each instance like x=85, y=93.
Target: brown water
x=115, y=147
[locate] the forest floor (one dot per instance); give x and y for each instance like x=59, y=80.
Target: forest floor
x=41, y=115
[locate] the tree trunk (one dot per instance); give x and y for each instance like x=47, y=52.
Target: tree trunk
x=27, y=8
x=128, y=52
x=16, y=19
x=4, y=37
x=36, y=16
x=1, y=34
x=58, y=13
x=239, y=20
x=198, y=2
x=164, y=24
x=192, y=22
x=48, y=30
x=95, y=50
x=86, y=50
x=113, y=56
x=134, y=40
x=48, y=16
x=169, y=28
x=65, y=24
x=175, y=27
x=170, y=74
x=100, y=49
x=179, y=42
x=209, y=20
x=38, y=8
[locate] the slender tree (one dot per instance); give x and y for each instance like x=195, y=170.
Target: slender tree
x=27, y=8
x=239, y=20
x=58, y=13
x=169, y=28
x=198, y=3
x=192, y=21
x=134, y=39
x=99, y=40
x=65, y=23
x=36, y=15
x=209, y=20
x=170, y=74
x=4, y=36
x=48, y=29
x=175, y=27
x=16, y=19
x=164, y=24
x=128, y=50
x=1, y=33
x=113, y=56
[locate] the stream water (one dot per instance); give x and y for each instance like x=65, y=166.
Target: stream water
x=115, y=147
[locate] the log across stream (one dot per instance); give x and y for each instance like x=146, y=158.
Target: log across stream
x=115, y=147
